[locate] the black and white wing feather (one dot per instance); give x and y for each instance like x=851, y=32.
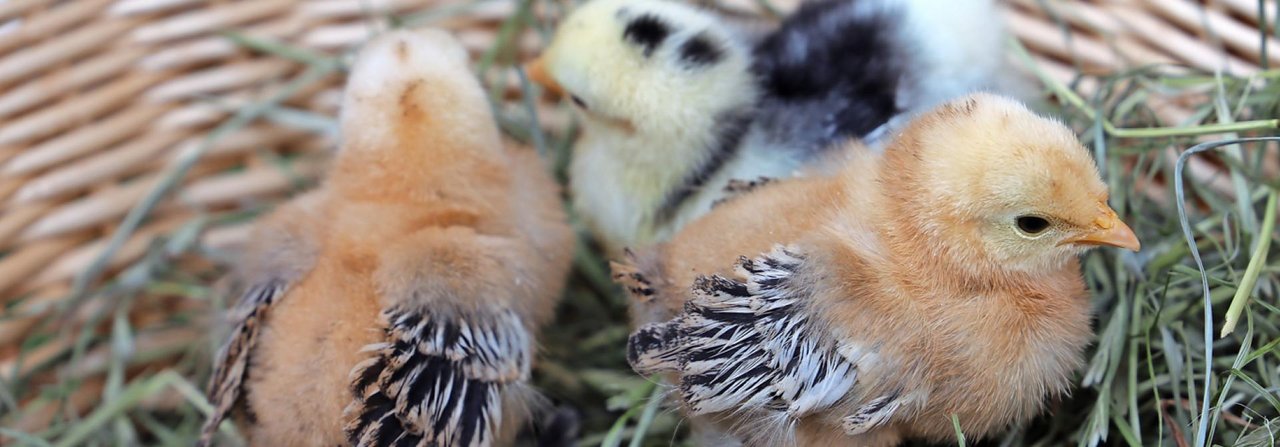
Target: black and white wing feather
x=437, y=380
x=230, y=368
x=872, y=414
x=747, y=345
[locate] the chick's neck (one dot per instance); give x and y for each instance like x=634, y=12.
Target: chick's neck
x=665, y=164
x=467, y=176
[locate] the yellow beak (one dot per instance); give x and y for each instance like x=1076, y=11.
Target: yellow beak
x=537, y=71
x=1108, y=230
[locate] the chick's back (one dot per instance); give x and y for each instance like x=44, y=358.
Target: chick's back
x=754, y=222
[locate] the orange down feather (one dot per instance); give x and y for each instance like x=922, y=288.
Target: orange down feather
x=399, y=302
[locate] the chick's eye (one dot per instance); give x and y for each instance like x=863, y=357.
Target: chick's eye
x=579, y=102
x=1032, y=225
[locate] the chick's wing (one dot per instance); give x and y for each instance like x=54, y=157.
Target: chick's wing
x=229, y=371
x=437, y=380
x=749, y=345
x=456, y=352
x=283, y=249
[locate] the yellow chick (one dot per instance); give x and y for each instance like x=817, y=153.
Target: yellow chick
x=675, y=103
x=399, y=303
x=665, y=93
x=868, y=307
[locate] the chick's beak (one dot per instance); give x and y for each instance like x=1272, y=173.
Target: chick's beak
x=1108, y=229
x=537, y=71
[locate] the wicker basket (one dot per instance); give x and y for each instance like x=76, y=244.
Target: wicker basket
x=112, y=107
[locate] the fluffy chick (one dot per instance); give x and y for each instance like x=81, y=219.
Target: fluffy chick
x=399, y=302
x=867, y=307
x=676, y=103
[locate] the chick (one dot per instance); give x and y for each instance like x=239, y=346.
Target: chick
x=867, y=307
x=399, y=302
x=675, y=103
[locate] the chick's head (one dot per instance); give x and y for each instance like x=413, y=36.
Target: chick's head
x=400, y=87
x=413, y=115
x=997, y=183
x=645, y=65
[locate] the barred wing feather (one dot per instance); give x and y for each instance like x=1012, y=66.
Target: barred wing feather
x=747, y=344
x=437, y=380
x=230, y=368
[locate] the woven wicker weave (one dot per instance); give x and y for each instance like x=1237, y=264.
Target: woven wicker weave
x=102, y=101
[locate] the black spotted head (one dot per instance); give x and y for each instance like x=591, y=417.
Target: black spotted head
x=646, y=64
x=645, y=31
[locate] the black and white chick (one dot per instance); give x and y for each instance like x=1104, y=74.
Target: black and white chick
x=676, y=103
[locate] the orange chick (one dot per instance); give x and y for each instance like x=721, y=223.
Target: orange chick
x=399, y=302
x=870, y=306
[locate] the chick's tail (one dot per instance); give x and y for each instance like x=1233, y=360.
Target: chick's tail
x=642, y=274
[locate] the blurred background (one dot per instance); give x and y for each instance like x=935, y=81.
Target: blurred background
x=140, y=138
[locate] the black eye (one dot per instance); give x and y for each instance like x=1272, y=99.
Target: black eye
x=579, y=102
x=1032, y=224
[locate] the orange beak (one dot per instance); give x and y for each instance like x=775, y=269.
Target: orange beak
x=537, y=71
x=1108, y=230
